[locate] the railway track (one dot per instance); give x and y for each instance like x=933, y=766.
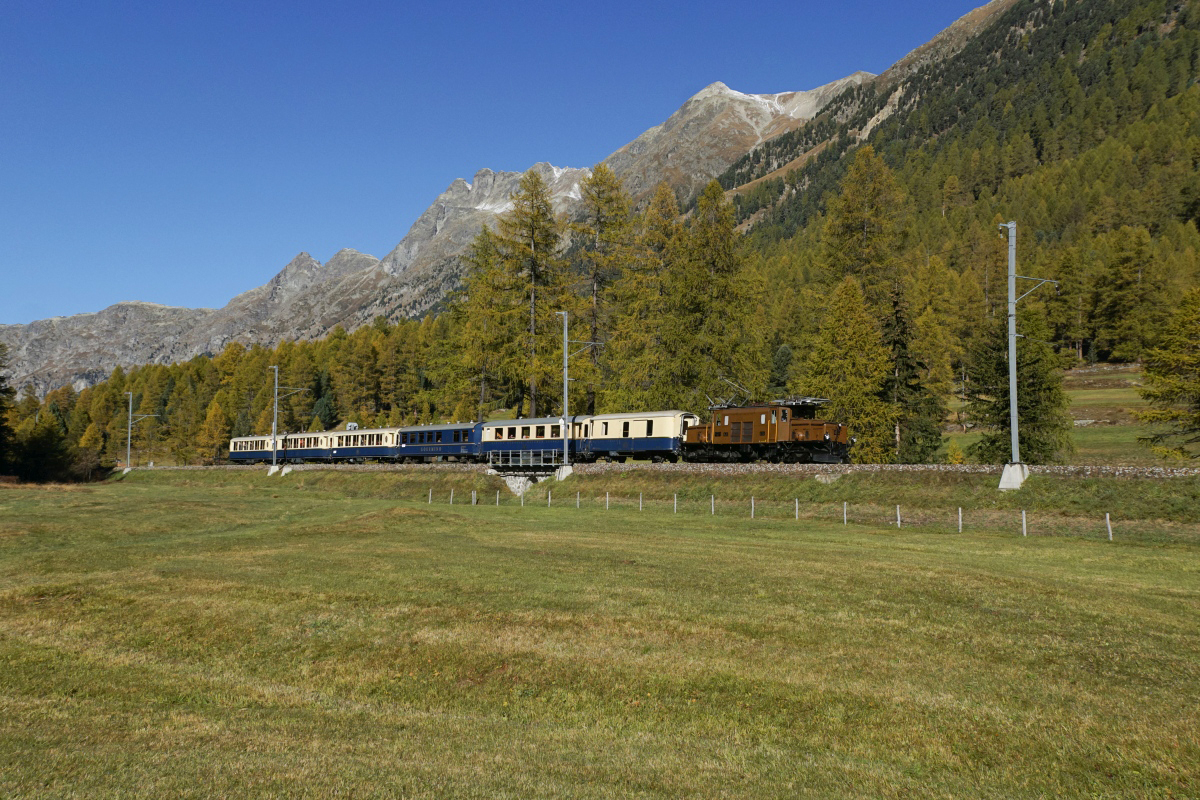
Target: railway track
x=800, y=470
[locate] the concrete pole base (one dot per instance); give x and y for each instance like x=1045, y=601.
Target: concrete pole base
x=1013, y=476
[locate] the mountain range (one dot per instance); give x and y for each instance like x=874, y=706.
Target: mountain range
x=307, y=299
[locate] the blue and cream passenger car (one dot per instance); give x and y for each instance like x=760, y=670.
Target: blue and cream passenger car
x=536, y=442
x=250, y=449
x=654, y=435
x=456, y=442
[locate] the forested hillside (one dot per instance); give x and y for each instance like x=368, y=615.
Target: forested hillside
x=857, y=258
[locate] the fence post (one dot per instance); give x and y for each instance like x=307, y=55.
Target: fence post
x=844, y=504
x=577, y=499
x=497, y=498
x=639, y=501
x=960, y=519
x=797, y=508
x=1108, y=524
x=897, y=516
x=676, y=502
x=712, y=500
x=451, y=497
x=522, y=499
x=1024, y=532
x=430, y=495
x=606, y=501
x=548, y=493
x=751, y=506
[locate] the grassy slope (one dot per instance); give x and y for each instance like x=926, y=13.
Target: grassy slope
x=1108, y=396
x=215, y=634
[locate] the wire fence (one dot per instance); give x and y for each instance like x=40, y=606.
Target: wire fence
x=1018, y=522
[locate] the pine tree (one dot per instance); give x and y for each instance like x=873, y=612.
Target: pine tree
x=6, y=398
x=711, y=305
x=489, y=315
x=606, y=232
x=1129, y=297
x=863, y=232
x=213, y=436
x=1172, y=383
x=919, y=411
x=528, y=240
x=1044, y=426
x=848, y=363
x=644, y=357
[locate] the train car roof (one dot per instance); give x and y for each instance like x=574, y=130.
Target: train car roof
x=449, y=426
x=527, y=421
x=639, y=414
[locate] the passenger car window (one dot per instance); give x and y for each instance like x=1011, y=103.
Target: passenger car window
x=624, y=429
x=649, y=427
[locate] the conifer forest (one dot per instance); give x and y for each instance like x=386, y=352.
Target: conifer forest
x=858, y=261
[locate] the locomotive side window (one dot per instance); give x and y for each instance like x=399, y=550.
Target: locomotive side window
x=762, y=419
x=726, y=420
x=585, y=431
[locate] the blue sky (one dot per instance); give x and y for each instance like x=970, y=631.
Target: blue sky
x=183, y=153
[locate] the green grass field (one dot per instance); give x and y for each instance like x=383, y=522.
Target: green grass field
x=229, y=634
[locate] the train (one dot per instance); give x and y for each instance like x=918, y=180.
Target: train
x=779, y=431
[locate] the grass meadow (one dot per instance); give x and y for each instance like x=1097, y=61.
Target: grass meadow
x=205, y=634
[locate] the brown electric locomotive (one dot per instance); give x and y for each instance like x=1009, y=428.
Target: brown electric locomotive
x=779, y=431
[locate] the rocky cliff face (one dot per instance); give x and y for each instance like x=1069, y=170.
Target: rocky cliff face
x=425, y=264
x=307, y=299
x=711, y=131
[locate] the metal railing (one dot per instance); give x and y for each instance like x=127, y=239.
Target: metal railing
x=525, y=458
